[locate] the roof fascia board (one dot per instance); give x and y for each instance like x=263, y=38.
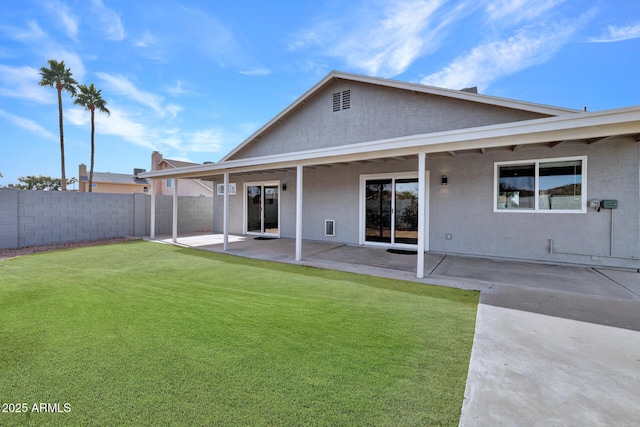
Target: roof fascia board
x=587, y=125
x=452, y=93
x=415, y=87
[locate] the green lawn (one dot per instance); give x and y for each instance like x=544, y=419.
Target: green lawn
x=148, y=334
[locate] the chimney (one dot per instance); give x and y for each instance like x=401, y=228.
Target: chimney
x=82, y=172
x=156, y=158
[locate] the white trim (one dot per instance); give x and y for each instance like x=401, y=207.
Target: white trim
x=422, y=213
x=362, y=209
x=244, y=210
x=225, y=214
x=299, y=184
x=174, y=223
x=536, y=209
x=152, y=213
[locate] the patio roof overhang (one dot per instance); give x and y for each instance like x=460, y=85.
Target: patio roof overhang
x=598, y=126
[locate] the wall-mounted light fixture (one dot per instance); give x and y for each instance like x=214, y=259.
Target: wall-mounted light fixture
x=444, y=181
x=284, y=186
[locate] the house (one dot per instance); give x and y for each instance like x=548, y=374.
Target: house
x=190, y=187
x=107, y=182
x=370, y=161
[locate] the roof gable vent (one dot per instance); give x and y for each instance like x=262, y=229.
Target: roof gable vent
x=341, y=100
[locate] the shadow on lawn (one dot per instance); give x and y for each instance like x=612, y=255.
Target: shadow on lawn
x=455, y=295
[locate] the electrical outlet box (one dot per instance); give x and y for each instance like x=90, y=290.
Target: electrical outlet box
x=609, y=204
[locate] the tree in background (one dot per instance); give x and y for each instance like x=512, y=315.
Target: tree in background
x=90, y=98
x=45, y=183
x=59, y=77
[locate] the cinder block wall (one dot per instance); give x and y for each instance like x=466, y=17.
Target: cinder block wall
x=29, y=218
x=194, y=214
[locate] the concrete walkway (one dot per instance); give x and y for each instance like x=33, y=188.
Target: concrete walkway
x=554, y=345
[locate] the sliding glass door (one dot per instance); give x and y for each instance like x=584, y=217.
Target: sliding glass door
x=406, y=211
x=391, y=210
x=378, y=210
x=262, y=208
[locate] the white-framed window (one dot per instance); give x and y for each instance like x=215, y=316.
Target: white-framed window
x=542, y=185
x=169, y=182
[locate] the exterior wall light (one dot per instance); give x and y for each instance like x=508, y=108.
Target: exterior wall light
x=444, y=181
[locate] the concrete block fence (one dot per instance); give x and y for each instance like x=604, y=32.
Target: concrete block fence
x=29, y=218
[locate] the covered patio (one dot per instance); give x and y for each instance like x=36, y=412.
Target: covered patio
x=530, y=284
x=414, y=152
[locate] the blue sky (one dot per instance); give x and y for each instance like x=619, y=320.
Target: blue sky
x=192, y=79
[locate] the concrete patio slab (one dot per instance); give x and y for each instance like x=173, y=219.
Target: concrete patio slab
x=529, y=369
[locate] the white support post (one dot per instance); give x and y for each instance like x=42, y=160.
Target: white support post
x=174, y=226
x=152, y=214
x=213, y=207
x=225, y=213
x=299, y=212
x=422, y=205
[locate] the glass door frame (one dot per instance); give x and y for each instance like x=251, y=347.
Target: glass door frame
x=421, y=205
x=245, y=210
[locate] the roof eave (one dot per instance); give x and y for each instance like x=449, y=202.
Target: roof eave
x=622, y=121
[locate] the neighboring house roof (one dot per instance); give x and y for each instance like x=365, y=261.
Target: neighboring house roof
x=115, y=178
x=177, y=163
x=413, y=87
x=180, y=164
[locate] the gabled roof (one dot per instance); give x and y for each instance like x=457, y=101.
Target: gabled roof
x=177, y=163
x=180, y=164
x=413, y=87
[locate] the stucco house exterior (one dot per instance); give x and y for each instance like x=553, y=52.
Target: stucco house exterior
x=191, y=187
x=107, y=182
x=369, y=161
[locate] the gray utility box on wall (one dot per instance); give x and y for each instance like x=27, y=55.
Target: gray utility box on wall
x=609, y=204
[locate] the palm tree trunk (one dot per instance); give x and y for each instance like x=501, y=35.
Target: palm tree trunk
x=93, y=129
x=64, y=177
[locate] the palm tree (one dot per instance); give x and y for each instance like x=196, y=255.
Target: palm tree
x=90, y=99
x=59, y=77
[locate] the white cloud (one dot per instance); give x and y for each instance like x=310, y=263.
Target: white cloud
x=205, y=141
x=77, y=116
x=173, y=109
x=108, y=21
x=490, y=61
x=516, y=11
x=66, y=17
x=22, y=83
x=383, y=43
x=146, y=40
x=121, y=125
x=615, y=34
x=30, y=34
x=121, y=85
x=27, y=124
x=256, y=72
x=176, y=90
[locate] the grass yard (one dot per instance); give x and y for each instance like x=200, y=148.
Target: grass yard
x=148, y=334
